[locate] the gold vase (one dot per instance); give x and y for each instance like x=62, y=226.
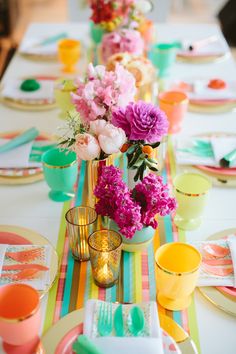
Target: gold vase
x=93, y=170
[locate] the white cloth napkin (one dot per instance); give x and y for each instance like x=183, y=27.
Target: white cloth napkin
x=32, y=46
x=206, y=277
x=12, y=90
x=151, y=344
x=220, y=146
x=17, y=157
x=201, y=91
x=218, y=47
x=42, y=280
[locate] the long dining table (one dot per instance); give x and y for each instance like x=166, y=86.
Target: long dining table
x=212, y=329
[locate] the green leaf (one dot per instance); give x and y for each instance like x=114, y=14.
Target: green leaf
x=154, y=145
x=149, y=159
x=131, y=149
x=141, y=170
x=134, y=158
x=136, y=177
x=155, y=169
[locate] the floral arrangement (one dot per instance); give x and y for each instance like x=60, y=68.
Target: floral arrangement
x=141, y=67
x=91, y=133
x=110, y=14
x=133, y=209
x=121, y=41
x=144, y=125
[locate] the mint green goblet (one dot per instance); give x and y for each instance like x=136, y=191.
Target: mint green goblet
x=163, y=56
x=60, y=170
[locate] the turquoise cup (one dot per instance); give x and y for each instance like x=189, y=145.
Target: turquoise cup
x=96, y=33
x=163, y=56
x=60, y=170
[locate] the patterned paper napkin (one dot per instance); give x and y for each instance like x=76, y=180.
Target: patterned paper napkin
x=218, y=266
x=150, y=342
x=41, y=279
x=187, y=153
x=214, y=48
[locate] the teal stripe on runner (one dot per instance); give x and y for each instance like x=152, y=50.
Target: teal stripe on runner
x=79, y=196
x=70, y=264
x=126, y=277
x=68, y=284
x=177, y=317
x=151, y=273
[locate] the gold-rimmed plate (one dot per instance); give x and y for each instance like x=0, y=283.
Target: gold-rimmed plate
x=211, y=109
x=217, y=297
x=15, y=176
x=32, y=105
x=16, y=235
x=201, y=59
x=60, y=337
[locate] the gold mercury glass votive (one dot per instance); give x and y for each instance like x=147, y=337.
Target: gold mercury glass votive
x=81, y=222
x=105, y=248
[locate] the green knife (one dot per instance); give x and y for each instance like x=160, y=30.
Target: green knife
x=119, y=322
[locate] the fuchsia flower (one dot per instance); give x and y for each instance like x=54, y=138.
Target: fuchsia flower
x=141, y=121
x=132, y=210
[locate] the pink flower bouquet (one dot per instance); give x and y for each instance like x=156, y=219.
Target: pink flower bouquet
x=144, y=125
x=133, y=209
x=90, y=133
x=124, y=40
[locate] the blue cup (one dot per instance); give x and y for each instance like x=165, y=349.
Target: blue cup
x=163, y=56
x=60, y=170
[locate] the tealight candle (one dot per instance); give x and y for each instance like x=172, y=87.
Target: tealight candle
x=105, y=252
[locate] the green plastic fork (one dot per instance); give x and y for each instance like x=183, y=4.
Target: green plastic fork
x=105, y=319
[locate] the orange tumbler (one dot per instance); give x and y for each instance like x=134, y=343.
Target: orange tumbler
x=69, y=54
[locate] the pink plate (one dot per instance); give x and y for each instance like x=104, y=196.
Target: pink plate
x=227, y=290
x=219, y=170
x=65, y=345
x=12, y=239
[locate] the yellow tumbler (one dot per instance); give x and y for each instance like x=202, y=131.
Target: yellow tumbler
x=177, y=272
x=69, y=54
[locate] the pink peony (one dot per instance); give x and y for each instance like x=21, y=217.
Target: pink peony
x=97, y=126
x=124, y=40
x=111, y=139
x=86, y=147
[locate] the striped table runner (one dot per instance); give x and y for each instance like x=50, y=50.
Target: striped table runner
x=137, y=281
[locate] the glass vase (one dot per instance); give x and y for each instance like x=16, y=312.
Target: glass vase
x=93, y=172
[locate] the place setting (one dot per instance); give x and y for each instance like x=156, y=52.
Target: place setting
x=212, y=154
x=208, y=95
x=21, y=153
x=34, y=93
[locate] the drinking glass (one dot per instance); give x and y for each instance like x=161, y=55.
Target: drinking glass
x=69, y=54
x=175, y=105
x=177, y=272
x=105, y=248
x=19, y=318
x=60, y=170
x=191, y=191
x=81, y=222
x=162, y=56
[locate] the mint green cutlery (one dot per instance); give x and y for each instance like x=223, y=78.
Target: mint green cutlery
x=52, y=39
x=105, y=319
x=83, y=345
x=25, y=137
x=228, y=159
x=136, y=321
x=119, y=322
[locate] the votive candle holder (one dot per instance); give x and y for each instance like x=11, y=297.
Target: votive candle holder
x=81, y=222
x=105, y=248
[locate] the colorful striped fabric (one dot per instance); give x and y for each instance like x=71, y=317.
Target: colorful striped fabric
x=137, y=281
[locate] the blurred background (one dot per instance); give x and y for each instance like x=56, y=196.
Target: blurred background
x=16, y=15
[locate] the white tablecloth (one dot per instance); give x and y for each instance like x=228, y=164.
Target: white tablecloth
x=29, y=206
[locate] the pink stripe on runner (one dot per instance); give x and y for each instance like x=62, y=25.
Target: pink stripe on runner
x=184, y=314
x=145, y=279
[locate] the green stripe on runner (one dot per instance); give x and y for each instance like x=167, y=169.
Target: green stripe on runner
x=68, y=285
x=51, y=303
x=193, y=325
